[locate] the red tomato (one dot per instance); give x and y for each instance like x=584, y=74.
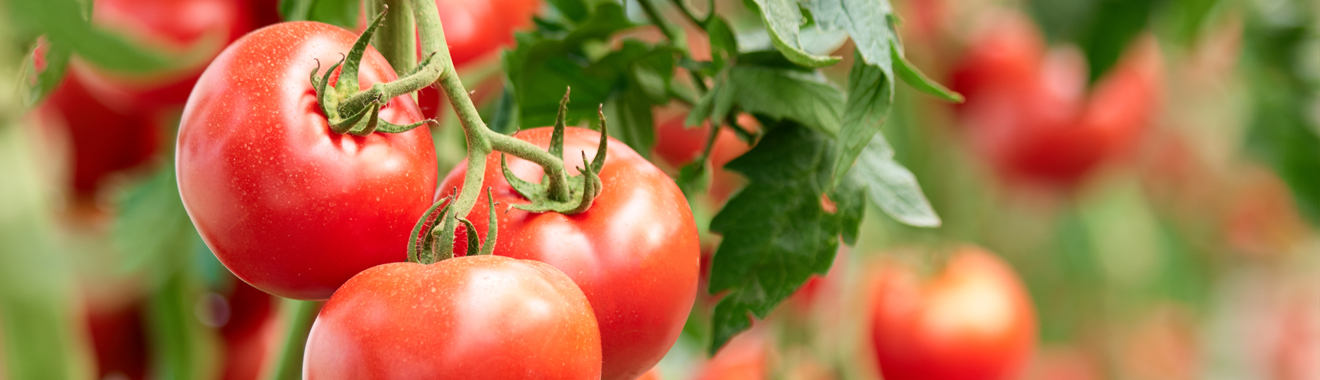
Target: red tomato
x=285, y=203
x=744, y=358
x=170, y=25
x=103, y=140
x=973, y=321
x=247, y=333
x=481, y=317
x=119, y=340
x=475, y=29
x=634, y=253
x=1030, y=113
x=650, y=375
x=678, y=146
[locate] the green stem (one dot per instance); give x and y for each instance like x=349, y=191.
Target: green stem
x=481, y=141
x=397, y=37
x=299, y=316
x=668, y=30
x=691, y=16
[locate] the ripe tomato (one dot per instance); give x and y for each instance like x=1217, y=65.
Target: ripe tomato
x=744, y=358
x=678, y=145
x=475, y=29
x=634, y=253
x=480, y=317
x=973, y=321
x=170, y=25
x=285, y=203
x=103, y=141
x=1031, y=115
x=119, y=339
x=247, y=333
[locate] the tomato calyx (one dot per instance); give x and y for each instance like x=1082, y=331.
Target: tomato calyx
x=437, y=242
x=547, y=196
x=357, y=113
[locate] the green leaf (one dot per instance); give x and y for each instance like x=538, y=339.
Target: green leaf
x=61, y=21
x=870, y=96
x=910, y=75
x=694, y=178
x=631, y=120
x=723, y=42
x=505, y=113
x=891, y=186
x=780, y=94
x=783, y=20
x=776, y=232
x=343, y=13
x=544, y=63
x=866, y=21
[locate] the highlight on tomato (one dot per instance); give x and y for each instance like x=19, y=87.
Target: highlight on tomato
x=285, y=202
x=634, y=252
x=475, y=317
x=972, y=321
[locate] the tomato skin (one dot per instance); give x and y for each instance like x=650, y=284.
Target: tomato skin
x=481, y=317
x=973, y=321
x=474, y=29
x=1031, y=115
x=170, y=25
x=103, y=141
x=634, y=253
x=678, y=145
x=285, y=203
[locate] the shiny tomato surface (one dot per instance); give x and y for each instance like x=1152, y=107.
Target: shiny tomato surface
x=634, y=253
x=480, y=317
x=285, y=203
x=973, y=321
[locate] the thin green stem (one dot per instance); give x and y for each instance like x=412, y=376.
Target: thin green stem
x=692, y=16
x=480, y=139
x=648, y=6
x=397, y=37
x=299, y=316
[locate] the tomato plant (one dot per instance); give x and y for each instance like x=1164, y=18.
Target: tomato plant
x=198, y=27
x=102, y=141
x=286, y=203
x=634, y=252
x=482, y=316
x=678, y=145
x=972, y=321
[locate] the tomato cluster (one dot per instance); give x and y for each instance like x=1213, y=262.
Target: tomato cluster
x=1028, y=109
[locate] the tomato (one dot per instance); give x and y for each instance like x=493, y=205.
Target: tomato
x=170, y=25
x=1031, y=115
x=481, y=317
x=475, y=30
x=285, y=203
x=119, y=339
x=973, y=321
x=634, y=252
x=103, y=141
x=744, y=358
x=650, y=375
x=247, y=333
x=678, y=145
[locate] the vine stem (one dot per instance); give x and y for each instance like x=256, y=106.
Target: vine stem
x=648, y=6
x=299, y=316
x=481, y=141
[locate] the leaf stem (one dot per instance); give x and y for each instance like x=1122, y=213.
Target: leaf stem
x=668, y=30
x=299, y=316
x=691, y=16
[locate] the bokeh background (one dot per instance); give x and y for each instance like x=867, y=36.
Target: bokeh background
x=1148, y=169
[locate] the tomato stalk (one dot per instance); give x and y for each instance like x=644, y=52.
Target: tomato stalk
x=397, y=39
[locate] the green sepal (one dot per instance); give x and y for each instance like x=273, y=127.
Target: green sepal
x=418, y=240
x=348, y=77
x=473, y=242
x=583, y=188
x=492, y=228
x=557, y=137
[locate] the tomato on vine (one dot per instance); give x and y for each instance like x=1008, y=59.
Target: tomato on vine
x=168, y=25
x=102, y=141
x=476, y=317
x=973, y=321
x=293, y=198
x=634, y=252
